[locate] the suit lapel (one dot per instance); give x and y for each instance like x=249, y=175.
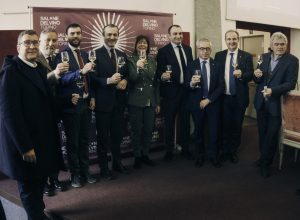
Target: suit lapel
x=44, y=62
x=278, y=66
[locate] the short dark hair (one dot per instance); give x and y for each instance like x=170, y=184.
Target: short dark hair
x=173, y=25
x=234, y=31
x=111, y=26
x=26, y=32
x=73, y=25
x=139, y=38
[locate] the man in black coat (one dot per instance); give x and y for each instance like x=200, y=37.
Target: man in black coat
x=177, y=56
x=110, y=84
x=276, y=76
x=237, y=67
x=28, y=133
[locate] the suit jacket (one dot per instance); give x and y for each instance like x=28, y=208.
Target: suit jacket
x=143, y=84
x=107, y=96
x=50, y=74
x=283, y=79
x=216, y=88
x=245, y=64
x=167, y=56
x=67, y=83
x=26, y=121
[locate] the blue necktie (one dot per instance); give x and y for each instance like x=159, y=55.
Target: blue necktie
x=232, y=88
x=205, y=81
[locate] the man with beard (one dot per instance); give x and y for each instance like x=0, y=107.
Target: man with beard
x=77, y=117
x=28, y=132
x=48, y=44
x=110, y=93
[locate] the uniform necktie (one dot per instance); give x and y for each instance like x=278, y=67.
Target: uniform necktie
x=182, y=60
x=205, y=81
x=232, y=88
x=81, y=65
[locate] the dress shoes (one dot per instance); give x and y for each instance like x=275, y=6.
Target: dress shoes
x=168, y=157
x=119, y=167
x=56, y=184
x=215, y=162
x=88, y=178
x=146, y=160
x=265, y=171
x=186, y=154
x=233, y=158
x=107, y=175
x=48, y=190
x=199, y=162
x=75, y=181
x=137, y=163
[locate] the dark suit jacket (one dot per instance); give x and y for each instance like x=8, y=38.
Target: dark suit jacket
x=167, y=56
x=283, y=79
x=216, y=87
x=67, y=83
x=26, y=121
x=143, y=84
x=245, y=64
x=107, y=95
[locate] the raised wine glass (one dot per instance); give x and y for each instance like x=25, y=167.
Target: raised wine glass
x=120, y=63
x=259, y=61
x=169, y=70
x=92, y=58
x=65, y=57
x=80, y=83
x=197, y=74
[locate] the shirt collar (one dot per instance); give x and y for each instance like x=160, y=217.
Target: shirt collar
x=73, y=48
x=201, y=60
x=108, y=48
x=235, y=52
x=175, y=45
x=33, y=65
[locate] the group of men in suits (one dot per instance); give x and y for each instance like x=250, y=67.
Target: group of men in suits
x=37, y=85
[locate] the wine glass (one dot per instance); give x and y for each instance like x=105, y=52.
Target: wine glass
x=92, y=58
x=120, y=63
x=169, y=70
x=143, y=57
x=259, y=61
x=65, y=57
x=80, y=82
x=234, y=64
x=197, y=73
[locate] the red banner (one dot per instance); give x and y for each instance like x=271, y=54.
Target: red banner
x=92, y=21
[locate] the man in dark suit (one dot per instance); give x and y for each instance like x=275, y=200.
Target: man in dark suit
x=48, y=44
x=172, y=90
x=276, y=76
x=77, y=117
x=28, y=133
x=110, y=83
x=204, y=100
x=237, y=67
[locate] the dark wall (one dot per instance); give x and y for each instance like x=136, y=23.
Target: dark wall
x=8, y=43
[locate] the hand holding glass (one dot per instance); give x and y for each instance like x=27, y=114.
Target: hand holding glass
x=259, y=61
x=120, y=63
x=65, y=57
x=92, y=58
x=198, y=76
x=169, y=70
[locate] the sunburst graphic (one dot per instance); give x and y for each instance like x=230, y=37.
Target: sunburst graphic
x=93, y=36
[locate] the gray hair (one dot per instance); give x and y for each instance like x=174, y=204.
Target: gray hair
x=26, y=32
x=204, y=40
x=278, y=35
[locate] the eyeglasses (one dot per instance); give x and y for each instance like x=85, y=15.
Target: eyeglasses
x=204, y=48
x=28, y=43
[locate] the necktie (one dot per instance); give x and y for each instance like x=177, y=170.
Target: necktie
x=232, y=88
x=182, y=60
x=205, y=81
x=113, y=59
x=51, y=63
x=81, y=65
